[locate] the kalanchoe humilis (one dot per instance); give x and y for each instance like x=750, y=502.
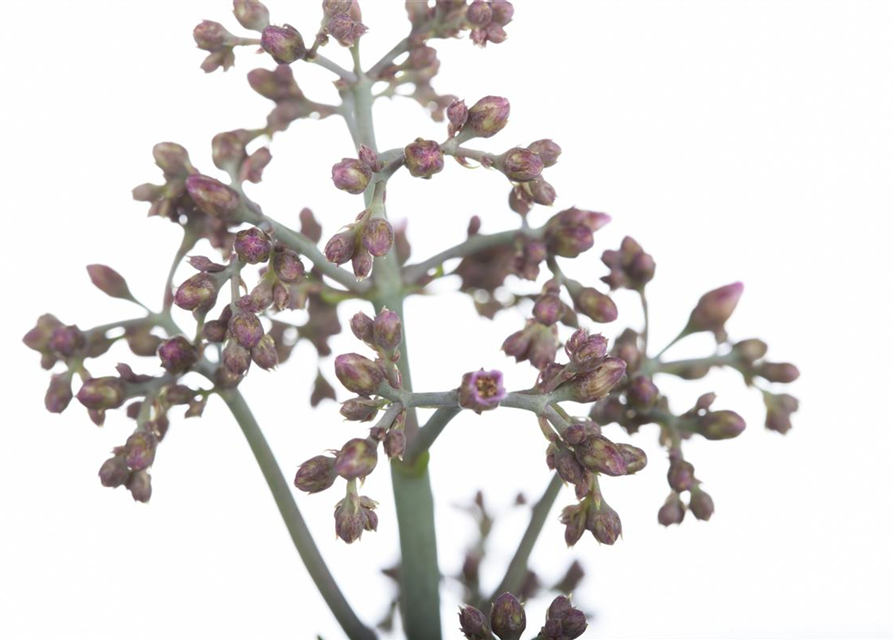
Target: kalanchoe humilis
x=488, y=116
x=507, y=618
x=481, y=390
x=423, y=158
x=284, y=44
x=253, y=245
x=351, y=175
x=177, y=354
x=316, y=474
x=714, y=309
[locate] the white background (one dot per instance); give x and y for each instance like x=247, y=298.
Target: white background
x=735, y=141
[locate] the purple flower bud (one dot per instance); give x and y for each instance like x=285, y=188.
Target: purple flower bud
x=66, y=340
x=542, y=192
x=520, y=165
x=720, y=425
x=779, y=407
x=102, y=393
x=246, y=329
x=367, y=508
x=359, y=409
x=109, y=281
x=377, y=237
x=316, y=474
x=236, y=358
x=473, y=624
x=309, y=226
x=601, y=455
x=177, y=355
x=139, y=450
x=334, y=7
x=681, y=475
x=38, y=338
x=172, y=159
x=350, y=521
x=635, y=458
x=604, y=524
x=750, y=350
x=58, y=394
x=253, y=245
x=597, y=383
x=253, y=168
x=361, y=263
x=714, y=309
x=481, y=390
x=341, y=246
x=547, y=150
x=672, y=512
x=778, y=372
x=488, y=116
x=568, y=241
x=574, y=519
x=387, y=330
x=595, y=305
x=140, y=486
x=502, y=11
x=356, y=459
x=345, y=29
x=548, y=309
x=507, y=618
x=358, y=374
x=251, y=14
x=642, y=393
x=395, y=443
x=351, y=175
x=287, y=266
x=567, y=466
x=479, y=13
x=457, y=114
x=701, y=504
x=278, y=85
x=212, y=36
x=284, y=44
x=114, y=472
x=265, y=354
x=423, y=158
x=212, y=196
x=563, y=621
x=362, y=327
x=586, y=353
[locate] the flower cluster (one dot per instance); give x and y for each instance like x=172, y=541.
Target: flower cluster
x=508, y=621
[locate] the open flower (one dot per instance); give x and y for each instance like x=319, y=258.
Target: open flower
x=481, y=390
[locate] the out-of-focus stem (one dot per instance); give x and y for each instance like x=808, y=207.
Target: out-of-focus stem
x=429, y=433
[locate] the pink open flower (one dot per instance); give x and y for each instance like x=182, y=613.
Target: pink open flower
x=481, y=390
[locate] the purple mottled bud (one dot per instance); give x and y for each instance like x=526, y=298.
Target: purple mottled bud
x=507, y=618
x=356, y=459
x=66, y=340
x=481, y=390
x=387, y=330
x=251, y=14
x=139, y=450
x=457, y=114
x=680, y=475
x=548, y=309
x=212, y=36
x=288, y=266
x=604, y=524
x=345, y=29
x=589, y=352
x=779, y=407
x=520, y=165
x=563, y=621
x=672, y=512
x=362, y=327
x=58, y=394
x=576, y=434
x=38, y=338
x=778, y=372
x=350, y=521
x=316, y=474
x=567, y=466
x=102, y=393
x=246, y=329
x=750, y=350
x=377, y=237
x=334, y=7
x=473, y=624
x=573, y=518
x=569, y=241
x=547, y=150
x=253, y=245
x=341, y=246
x=541, y=191
x=631, y=267
x=520, y=200
x=479, y=13
x=642, y=393
x=214, y=330
x=359, y=409
x=361, y=263
x=714, y=309
x=212, y=196
x=367, y=508
x=140, y=486
x=595, y=305
x=236, y=358
x=488, y=116
x=265, y=354
x=281, y=296
x=701, y=504
x=597, y=383
x=635, y=458
x=358, y=374
x=114, y=472
x=502, y=11
x=395, y=443
x=423, y=158
x=177, y=355
x=109, y=281
x=720, y=425
x=351, y=175
x=284, y=44
x=601, y=455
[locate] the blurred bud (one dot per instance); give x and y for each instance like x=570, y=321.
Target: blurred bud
x=631, y=267
x=714, y=309
x=779, y=407
x=479, y=13
x=246, y=329
x=457, y=114
x=642, y=393
x=212, y=36
x=177, y=355
x=377, y=237
x=680, y=475
x=783, y=372
x=701, y=504
x=635, y=458
x=548, y=309
x=140, y=486
x=38, y=338
x=362, y=327
x=542, y=192
x=750, y=350
x=507, y=618
x=236, y=358
x=66, y=340
x=278, y=85
x=253, y=245
x=172, y=159
x=141, y=341
x=265, y=354
x=284, y=44
x=672, y=512
x=502, y=11
x=351, y=175
x=520, y=200
x=569, y=232
x=58, y=394
x=563, y=621
x=212, y=196
x=488, y=116
x=720, y=425
x=251, y=14
x=481, y=390
x=574, y=518
x=309, y=226
x=597, y=383
x=358, y=374
x=345, y=29
x=361, y=263
x=359, y=409
x=601, y=455
x=102, y=393
x=109, y=281
x=595, y=305
x=473, y=624
x=387, y=330
x=139, y=450
x=316, y=474
x=228, y=148
x=334, y=7
x=520, y=165
x=423, y=158
x=395, y=443
x=114, y=472
x=547, y=150
x=341, y=246
x=604, y=524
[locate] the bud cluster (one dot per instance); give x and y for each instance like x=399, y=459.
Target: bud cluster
x=508, y=620
x=359, y=242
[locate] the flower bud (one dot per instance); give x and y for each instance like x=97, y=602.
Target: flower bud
x=316, y=474
x=361, y=263
x=542, y=192
x=567, y=466
x=395, y=443
x=351, y=175
x=140, y=486
x=479, y=13
x=212, y=36
x=139, y=450
x=284, y=44
x=264, y=354
x=172, y=159
x=601, y=455
x=38, y=338
x=212, y=196
x=595, y=305
x=377, y=237
x=423, y=158
x=642, y=393
x=778, y=372
x=58, y=394
x=358, y=374
x=507, y=618
x=359, y=409
x=356, y=459
x=548, y=309
x=563, y=621
x=141, y=341
x=350, y=521
x=473, y=624
x=236, y=358
x=246, y=329
x=714, y=309
x=278, y=85
x=779, y=407
x=334, y=7
x=488, y=116
x=114, y=472
x=109, y=281
x=672, y=512
x=750, y=350
x=253, y=245
x=481, y=390
x=680, y=475
x=604, y=524
x=547, y=150
x=345, y=29
x=520, y=200
x=341, y=246
x=177, y=355
x=387, y=330
x=520, y=165
x=102, y=393
x=573, y=518
x=701, y=504
x=502, y=11
x=251, y=14
x=597, y=383
x=66, y=340
x=362, y=327
x=457, y=114
x=720, y=425
x=288, y=266
x=631, y=267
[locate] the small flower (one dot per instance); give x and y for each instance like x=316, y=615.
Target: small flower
x=481, y=390
x=423, y=158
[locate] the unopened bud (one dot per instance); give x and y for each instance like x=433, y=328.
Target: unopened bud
x=548, y=309
x=714, y=309
x=750, y=350
x=246, y=329
x=635, y=458
x=596, y=305
x=251, y=14
x=567, y=466
x=66, y=340
x=334, y=7
x=457, y=114
x=672, y=512
x=114, y=472
x=212, y=36
x=359, y=409
x=507, y=618
x=601, y=455
x=502, y=11
x=488, y=116
x=358, y=374
x=604, y=524
x=140, y=486
x=139, y=450
x=387, y=330
x=212, y=196
x=102, y=393
x=642, y=393
x=345, y=29
x=563, y=621
x=720, y=425
x=783, y=372
x=596, y=384
x=316, y=474
x=542, y=192
x=350, y=521
x=574, y=518
x=288, y=266
x=351, y=175
x=681, y=475
x=361, y=263
x=479, y=13
x=520, y=165
x=253, y=245
x=177, y=355
x=779, y=407
x=547, y=150
x=58, y=395
x=284, y=44
x=341, y=246
x=236, y=358
x=473, y=624
x=109, y=281
x=172, y=159
x=362, y=327
x=264, y=354
x=377, y=237
x=423, y=158
x=701, y=504
x=395, y=443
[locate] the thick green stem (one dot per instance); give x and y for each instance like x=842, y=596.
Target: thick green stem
x=297, y=528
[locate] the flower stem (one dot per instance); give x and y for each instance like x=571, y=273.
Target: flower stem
x=429, y=433
x=295, y=523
